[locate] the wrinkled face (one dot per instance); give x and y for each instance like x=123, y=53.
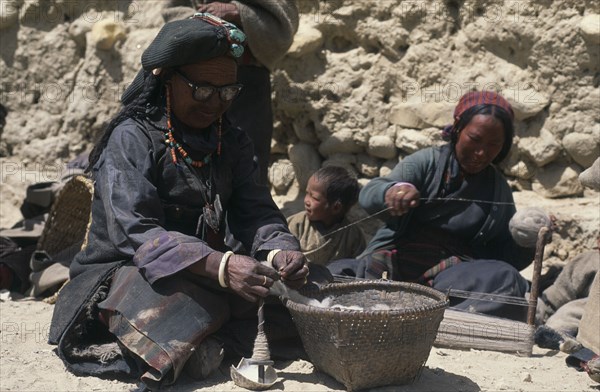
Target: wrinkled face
x=220, y=71
x=479, y=143
x=315, y=202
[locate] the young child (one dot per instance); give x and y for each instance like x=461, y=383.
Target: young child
x=330, y=193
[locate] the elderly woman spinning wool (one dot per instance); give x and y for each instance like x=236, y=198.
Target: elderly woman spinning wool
x=449, y=210
x=156, y=282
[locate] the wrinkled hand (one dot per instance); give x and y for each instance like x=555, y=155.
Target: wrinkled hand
x=225, y=11
x=249, y=278
x=401, y=198
x=292, y=268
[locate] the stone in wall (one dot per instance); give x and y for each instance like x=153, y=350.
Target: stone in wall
x=367, y=165
x=591, y=176
x=418, y=114
x=78, y=31
x=526, y=103
x=387, y=167
x=308, y=39
x=541, y=150
x=517, y=166
x=434, y=135
x=344, y=141
x=411, y=140
x=590, y=28
x=583, y=148
x=278, y=148
x=405, y=115
x=106, y=33
x=54, y=147
x=306, y=161
x=305, y=131
x=555, y=180
x=381, y=146
x=281, y=175
x=347, y=161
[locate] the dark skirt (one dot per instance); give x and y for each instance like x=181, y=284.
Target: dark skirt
x=156, y=328
x=164, y=323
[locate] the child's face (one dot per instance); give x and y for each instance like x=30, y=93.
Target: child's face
x=315, y=203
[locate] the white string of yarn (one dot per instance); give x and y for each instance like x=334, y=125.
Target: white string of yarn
x=280, y=289
x=524, y=227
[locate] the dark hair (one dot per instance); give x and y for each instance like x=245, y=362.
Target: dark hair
x=339, y=185
x=492, y=110
x=139, y=107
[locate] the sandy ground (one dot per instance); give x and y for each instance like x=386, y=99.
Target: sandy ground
x=28, y=363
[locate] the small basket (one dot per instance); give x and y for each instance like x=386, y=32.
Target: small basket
x=69, y=218
x=370, y=348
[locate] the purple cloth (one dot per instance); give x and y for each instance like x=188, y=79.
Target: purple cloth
x=168, y=254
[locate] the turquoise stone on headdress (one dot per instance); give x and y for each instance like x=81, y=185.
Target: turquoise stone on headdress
x=237, y=50
x=235, y=35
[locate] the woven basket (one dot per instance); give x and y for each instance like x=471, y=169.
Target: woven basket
x=69, y=217
x=370, y=348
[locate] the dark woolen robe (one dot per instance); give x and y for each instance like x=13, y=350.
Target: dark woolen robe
x=468, y=229
x=446, y=242
x=146, y=230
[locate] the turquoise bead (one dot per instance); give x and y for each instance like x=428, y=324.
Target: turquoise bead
x=237, y=35
x=237, y=50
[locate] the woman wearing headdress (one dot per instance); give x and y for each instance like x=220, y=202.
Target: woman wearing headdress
x=449, y=212
x=155, y=283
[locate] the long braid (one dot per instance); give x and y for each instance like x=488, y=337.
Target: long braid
x=136, y=109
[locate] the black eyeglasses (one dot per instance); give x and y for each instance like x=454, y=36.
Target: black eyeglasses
x=205, y=91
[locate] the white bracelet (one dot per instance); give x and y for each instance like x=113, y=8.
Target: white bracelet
x=271, y=256
x=404, y=183
x=222, y=268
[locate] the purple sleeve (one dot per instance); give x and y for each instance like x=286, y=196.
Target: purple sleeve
x=169, y=253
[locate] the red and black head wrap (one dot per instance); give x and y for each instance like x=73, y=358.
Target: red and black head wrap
x=487, y=103
x=476, y=98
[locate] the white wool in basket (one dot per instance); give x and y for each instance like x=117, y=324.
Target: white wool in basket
x=280, y=289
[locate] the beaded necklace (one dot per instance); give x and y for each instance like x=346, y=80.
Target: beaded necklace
x=175, y=146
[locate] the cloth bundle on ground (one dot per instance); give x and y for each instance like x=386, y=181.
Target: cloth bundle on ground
x=21, y=240
x=48, y=273
x=571, y=305
x=588, y=359
x=560, y=307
